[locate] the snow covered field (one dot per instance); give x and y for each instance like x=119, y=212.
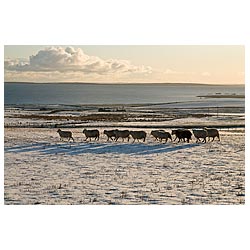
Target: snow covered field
x=39, y=169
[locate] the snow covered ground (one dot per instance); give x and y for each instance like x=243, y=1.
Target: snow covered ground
x=40, y=169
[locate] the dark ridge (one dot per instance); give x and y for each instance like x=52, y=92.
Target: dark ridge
x=226, y=126
x=126, y=83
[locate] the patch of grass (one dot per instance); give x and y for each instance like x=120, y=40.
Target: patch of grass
x=91, y=117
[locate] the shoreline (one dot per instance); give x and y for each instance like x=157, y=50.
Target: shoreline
x=134, y=126
x=126, y=83
x=222, y=96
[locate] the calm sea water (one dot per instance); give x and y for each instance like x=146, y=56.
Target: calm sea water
x=23, y=93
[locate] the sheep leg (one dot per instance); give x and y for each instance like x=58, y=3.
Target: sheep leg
x=213, y=139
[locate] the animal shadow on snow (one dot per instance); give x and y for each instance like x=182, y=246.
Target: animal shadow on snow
x=99, y=148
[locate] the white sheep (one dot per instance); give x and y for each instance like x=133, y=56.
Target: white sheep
x=94, y=133
x=121, y=133
x=65, y=134
x=155, y=133
x=212, y=132
x=161, y=135
x=200, y=133
x=138, y=135
x=110, y=134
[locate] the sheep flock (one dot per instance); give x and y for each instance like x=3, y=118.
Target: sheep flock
x=181, y=135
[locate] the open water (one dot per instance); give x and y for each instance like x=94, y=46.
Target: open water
x=58, y=93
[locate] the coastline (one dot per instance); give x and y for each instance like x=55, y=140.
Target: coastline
x=133, y=83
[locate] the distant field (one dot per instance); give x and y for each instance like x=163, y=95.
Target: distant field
x=146, y=115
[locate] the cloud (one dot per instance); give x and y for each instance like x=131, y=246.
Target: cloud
x=58, y=59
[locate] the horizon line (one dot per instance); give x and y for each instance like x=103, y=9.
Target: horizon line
x=125, y=83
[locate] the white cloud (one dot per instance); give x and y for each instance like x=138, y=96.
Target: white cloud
x=70, y=59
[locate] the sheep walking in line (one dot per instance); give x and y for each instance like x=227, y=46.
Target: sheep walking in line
x=175, y=132
x=165, y=136
x=200, y=134
x=161, y=135
x=121, y=134
x=138, y=135
x=94, y=133
x=65, y=134
x=155, y=134
x=110, y=134
x=182, y=134
x=212, y=133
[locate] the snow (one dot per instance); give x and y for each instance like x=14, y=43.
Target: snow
x=41, y=169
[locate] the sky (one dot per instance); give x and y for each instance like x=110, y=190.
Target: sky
x=210, y=64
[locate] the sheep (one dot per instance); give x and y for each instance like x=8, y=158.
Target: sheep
x=212, y=132
x=138, y=135
x=164, y=135
x=155, y=133
x=182, y=134
x=110, y=134
x=94, y=133
x=200, y=133
x=161, y=134
x=121, y=133
x=174, y=131
x=65, y=134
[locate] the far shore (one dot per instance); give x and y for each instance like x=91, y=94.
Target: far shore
x=222, y=96
x=128, y=83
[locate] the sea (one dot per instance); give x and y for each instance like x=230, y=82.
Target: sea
x=82, y=94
